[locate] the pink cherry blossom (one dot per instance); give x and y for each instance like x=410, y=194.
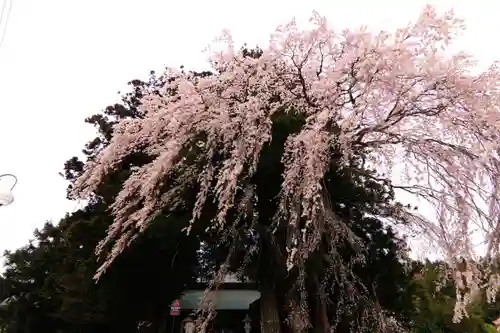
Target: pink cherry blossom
x=399, y=95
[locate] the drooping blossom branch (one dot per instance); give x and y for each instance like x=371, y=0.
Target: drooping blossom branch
x=398, y=96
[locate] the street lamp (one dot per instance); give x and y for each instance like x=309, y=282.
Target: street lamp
x=6, y=198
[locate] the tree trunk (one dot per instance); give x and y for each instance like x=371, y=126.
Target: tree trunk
x=321, y=322
x=162, y=325
x=297, y=319
x=269, y=314
x=269, y=268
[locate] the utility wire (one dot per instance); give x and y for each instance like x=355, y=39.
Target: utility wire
x=2, y=11
x=5, y=16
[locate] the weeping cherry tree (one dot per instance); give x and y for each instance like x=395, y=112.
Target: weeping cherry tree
x=400, y=97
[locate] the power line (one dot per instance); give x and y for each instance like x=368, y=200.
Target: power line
x=2, y=11
x=6, y=20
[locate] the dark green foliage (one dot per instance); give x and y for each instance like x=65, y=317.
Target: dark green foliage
x=51, y=279
x=432, y=310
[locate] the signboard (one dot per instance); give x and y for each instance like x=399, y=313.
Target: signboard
x=175, y=308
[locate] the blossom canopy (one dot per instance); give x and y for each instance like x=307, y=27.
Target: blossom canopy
x=400, y=97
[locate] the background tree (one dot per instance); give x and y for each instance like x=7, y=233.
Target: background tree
x=433, y=294
x=50, y=286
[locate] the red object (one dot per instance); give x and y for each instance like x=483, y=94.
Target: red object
x=175, y=308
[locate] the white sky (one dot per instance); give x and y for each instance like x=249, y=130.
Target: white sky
x=63, y=60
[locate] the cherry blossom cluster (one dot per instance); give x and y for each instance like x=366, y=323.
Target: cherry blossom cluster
x=401, y=97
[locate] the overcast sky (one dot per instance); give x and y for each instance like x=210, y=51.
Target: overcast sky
x=63, y=60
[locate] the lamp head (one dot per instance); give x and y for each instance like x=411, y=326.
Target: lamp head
x=6, y=198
